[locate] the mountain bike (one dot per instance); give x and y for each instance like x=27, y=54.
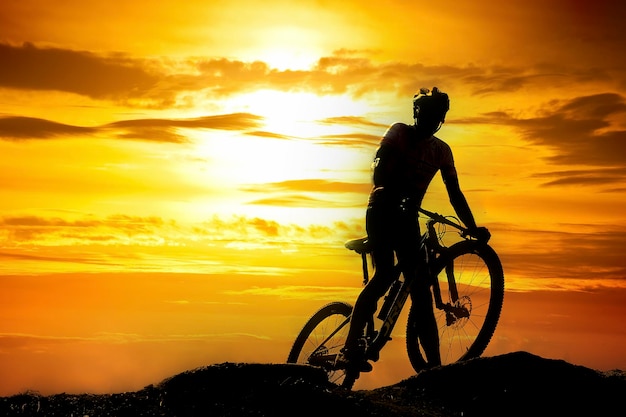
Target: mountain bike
x=467, y=284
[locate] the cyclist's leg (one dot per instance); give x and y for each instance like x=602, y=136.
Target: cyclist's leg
x=367, y=301
x=379, y=224
x=413, y=259
x=426, y=325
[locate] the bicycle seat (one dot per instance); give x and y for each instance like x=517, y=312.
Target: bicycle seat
x=361, y=245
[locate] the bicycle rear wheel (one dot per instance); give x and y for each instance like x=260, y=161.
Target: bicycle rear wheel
x=476, y=271
x=321, y=340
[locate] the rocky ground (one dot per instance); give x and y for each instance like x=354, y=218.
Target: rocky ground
x=515, y=384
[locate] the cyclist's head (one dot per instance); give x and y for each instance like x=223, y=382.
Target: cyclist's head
x=430, y=108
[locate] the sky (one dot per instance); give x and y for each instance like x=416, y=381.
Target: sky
x=177, y=179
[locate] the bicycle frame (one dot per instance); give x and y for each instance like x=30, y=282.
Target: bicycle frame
x=468, y=273
x=429, y=244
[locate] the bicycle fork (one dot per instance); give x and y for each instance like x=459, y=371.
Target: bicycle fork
x=453, y=310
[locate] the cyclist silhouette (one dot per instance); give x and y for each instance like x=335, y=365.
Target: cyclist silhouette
x=406, y=161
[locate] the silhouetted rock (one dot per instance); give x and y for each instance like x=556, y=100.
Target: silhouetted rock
x=256, y=390
x=515, y=384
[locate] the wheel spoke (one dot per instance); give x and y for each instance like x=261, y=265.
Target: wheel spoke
x=324, y=335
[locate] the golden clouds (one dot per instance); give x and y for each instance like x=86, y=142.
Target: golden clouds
x=150, y=84
x=124, y=243
x=578, y=132
x=29, y=67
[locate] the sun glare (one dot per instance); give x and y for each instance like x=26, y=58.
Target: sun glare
x=297, y=114
x=265, y=171
x=284, y=59
x=291, y=144
x=249, y=159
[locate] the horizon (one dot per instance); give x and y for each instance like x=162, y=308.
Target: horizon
x=177, y=180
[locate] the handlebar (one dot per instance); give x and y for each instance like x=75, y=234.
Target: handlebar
x=479, y=234
x=442, y=219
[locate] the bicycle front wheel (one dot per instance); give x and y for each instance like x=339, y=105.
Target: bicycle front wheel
x=321, y=340
x=471, y=281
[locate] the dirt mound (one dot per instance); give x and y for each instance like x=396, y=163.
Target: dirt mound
x=516, y=384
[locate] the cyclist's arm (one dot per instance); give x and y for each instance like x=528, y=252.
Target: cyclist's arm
x=459, y=203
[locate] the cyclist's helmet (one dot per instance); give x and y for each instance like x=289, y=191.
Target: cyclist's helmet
x=431, y=106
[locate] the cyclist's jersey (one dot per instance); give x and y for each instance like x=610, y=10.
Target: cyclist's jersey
x=408, y=164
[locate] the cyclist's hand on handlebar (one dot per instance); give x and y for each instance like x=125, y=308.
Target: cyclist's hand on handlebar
x=480, y=233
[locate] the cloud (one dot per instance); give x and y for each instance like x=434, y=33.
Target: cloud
x=158, y=84
x=30, y=127
x=290, y=193
x=589, y=177
x=257, y=230
x=153, y=130
x=91, y=259
x=29, y=67
x=114, y=229
x=24, y=340
x=312, y=185
x=265, y=134
x=294, y=200
x=584, y=131
x=591, y=253
x=302, y=292
x=580, y=131
x=351, y=121
x=17, y=232
x=351, y=139
x=164, y=130
x=36, y=245
x=235, y=121
x=506, y=79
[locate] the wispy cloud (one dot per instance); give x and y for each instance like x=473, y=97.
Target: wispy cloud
x=312, y=185
x=313, y=193
x=294, y=200
x=20, y=127
x=154, y=130
x=236, y=121
x=265, y=134
x=351, y=139
x=588, y=177
x=24, y=340
x=552, y=258
x=584, y=131
x=301, y=292
x=351, y=121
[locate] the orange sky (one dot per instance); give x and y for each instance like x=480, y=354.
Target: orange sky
x=143, y=144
